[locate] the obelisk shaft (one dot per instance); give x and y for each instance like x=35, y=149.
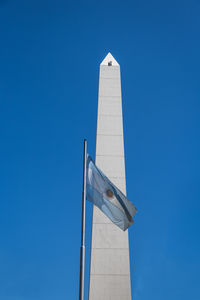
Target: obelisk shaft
x=109, y=266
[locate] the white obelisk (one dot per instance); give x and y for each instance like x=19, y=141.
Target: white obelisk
x=109, y=266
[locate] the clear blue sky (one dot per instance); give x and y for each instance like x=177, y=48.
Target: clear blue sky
x=50, y=53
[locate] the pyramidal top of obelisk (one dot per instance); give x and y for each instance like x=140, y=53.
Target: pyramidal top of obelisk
x=109, y=263
x=109, y=60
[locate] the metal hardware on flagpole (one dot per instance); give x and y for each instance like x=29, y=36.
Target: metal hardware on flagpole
x=82, y=250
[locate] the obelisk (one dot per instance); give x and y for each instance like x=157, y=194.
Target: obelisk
x=109, y=265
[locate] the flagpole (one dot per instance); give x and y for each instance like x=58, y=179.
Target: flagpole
x=82, y=250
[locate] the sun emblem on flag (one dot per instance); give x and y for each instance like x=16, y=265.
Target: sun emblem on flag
x=109, y=193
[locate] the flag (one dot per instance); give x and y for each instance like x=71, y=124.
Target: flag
x=107, y=197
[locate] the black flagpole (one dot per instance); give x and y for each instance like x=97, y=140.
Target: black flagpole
x=82, y=250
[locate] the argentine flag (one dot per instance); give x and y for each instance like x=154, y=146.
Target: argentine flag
x=107, y=197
